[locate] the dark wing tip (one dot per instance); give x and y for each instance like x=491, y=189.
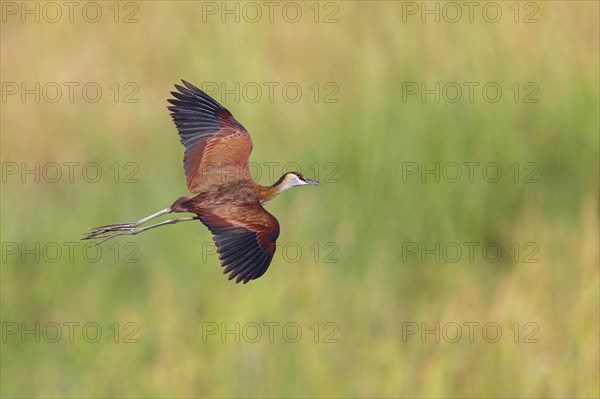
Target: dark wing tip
x=190, y=86
x=190, y=103
x=244, y=258
x=192, y=94
x=243, y=253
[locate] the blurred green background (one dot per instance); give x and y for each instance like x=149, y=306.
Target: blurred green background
x=355, y=275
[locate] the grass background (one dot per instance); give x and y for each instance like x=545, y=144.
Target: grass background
x=176, y=290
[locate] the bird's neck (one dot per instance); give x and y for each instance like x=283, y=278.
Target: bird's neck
x=270, y=192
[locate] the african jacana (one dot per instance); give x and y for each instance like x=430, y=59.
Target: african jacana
x=227, y=200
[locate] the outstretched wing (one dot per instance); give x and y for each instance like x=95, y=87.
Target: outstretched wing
x=245, y=235
x=217, y=147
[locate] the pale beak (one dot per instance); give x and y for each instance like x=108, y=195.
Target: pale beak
x=313, y=182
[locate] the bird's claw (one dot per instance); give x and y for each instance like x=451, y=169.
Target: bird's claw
x=104, y=233
x=110, y=227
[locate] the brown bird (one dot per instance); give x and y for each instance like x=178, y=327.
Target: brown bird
x=227, y=200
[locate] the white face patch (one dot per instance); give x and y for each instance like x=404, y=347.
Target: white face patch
x=296, y=181
x=292, y=181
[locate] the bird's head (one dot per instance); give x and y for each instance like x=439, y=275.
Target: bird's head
x=293, y=179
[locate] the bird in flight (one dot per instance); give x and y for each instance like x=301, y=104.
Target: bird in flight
x=226, y=199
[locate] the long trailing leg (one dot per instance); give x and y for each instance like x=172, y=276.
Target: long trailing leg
x=106, y=232
x=124, y=226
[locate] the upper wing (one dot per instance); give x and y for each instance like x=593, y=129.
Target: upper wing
x=245, y=235
x=217, y=147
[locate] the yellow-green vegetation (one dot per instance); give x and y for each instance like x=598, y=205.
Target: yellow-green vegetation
x=394, y=234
